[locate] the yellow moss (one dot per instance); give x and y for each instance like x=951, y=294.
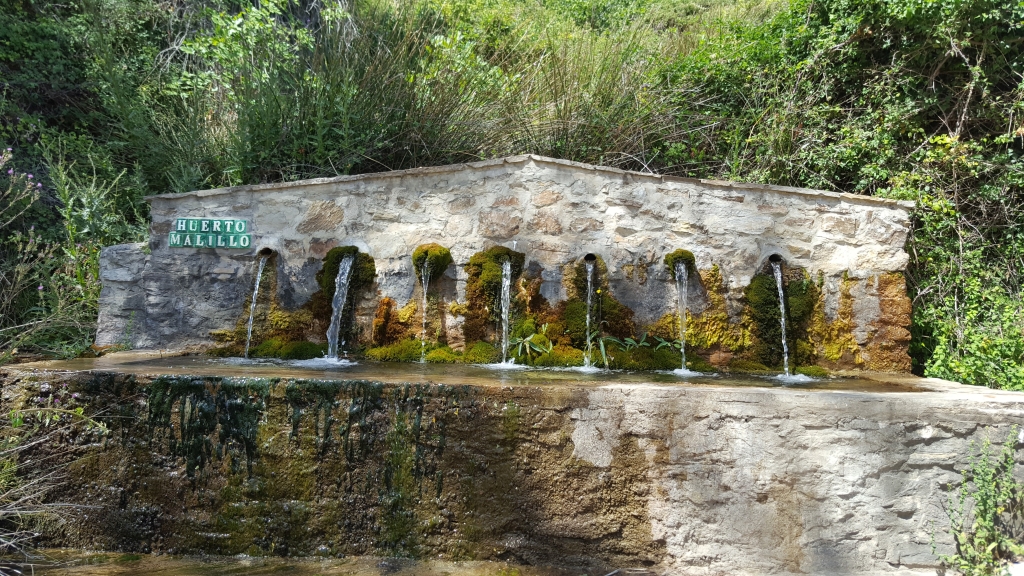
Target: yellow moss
x=834, y=340
x=712, y=327
x=405, y=313
x=458, y=309
x=666, y=327
x=282, y=320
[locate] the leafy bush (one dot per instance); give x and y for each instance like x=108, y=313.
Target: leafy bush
x=915, y=101
x=986, y=512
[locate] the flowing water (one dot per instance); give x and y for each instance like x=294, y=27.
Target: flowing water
x=425, y=284
x=252, y=307
x=782, y=316
x=681, y=294
x=338, y=304
x=590, y=297
x=506, y=305
x=401, y=373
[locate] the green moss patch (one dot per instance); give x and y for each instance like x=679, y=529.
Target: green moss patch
x=812, y=371
x=683, y=256
x=763, y=310
x=643, y=358
x=748, y=366
x=483, y=288
x=363, y=275
x=561, y=356
x=437, y=257
x=404, y=351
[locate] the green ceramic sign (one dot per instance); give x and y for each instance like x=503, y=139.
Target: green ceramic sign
x=226, y=233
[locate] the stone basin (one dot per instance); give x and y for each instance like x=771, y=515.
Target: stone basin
x=580, y=472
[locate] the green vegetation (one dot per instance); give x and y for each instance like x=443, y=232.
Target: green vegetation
x=437, y=257
x=106, y=101
x=985, y=513
x=483, y=288
x=403, y=351
x=684, y=256
x=763, y=309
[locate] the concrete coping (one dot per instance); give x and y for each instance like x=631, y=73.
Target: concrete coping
x=523, y=159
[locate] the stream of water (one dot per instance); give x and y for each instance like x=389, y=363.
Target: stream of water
x=341, y=282
x=590, y=297
x=252, y=306
x=777, y=269
x=681, y=295
x=506, y=306
x=425, y=284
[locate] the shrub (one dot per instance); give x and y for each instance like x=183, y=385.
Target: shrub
x=984, y=510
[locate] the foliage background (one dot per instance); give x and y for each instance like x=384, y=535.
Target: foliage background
x=105, y=101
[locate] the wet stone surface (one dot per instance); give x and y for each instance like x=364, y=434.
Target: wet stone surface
x=585, y=475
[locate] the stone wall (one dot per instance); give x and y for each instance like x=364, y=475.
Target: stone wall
x=687, y=480
x=554, y=211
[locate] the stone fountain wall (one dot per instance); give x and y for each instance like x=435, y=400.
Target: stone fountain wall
x=689, y=480
x=554, y=211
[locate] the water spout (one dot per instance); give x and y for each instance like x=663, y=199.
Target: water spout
x=506, y=305
x=338, y=304
x=590, y=297
x=252, y=306
x=681, y=294
x=425, y=284
x=777, y=269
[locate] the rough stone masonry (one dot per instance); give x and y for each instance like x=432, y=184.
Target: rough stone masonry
x=688, y=480
x=555, y=211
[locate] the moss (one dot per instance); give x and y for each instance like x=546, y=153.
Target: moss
x=483, y=288
x=683, y=256
x=363, y=275
x=812, y=371
x=574, y=318
x=269, y=348
x=698, y=364
x=301, y=351
x=524, y=327
x=834, y=341
x=643, y=358
x=740, y=365
x=388, y=326
x=443, y=355
x=404, y=351
x=763, y=309
x=561, y=356
x=576, y=286
x=614, y=317
x=436, y=256
x=666, y=327
x=481, y=353
x=226, y=351
x=712, y=328
x=361, y=279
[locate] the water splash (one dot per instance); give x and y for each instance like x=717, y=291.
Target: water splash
x=590, y=297
x=777, y=269
x=425, y=284
x=338, y=304
x=252, y=306
x=506, y=305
